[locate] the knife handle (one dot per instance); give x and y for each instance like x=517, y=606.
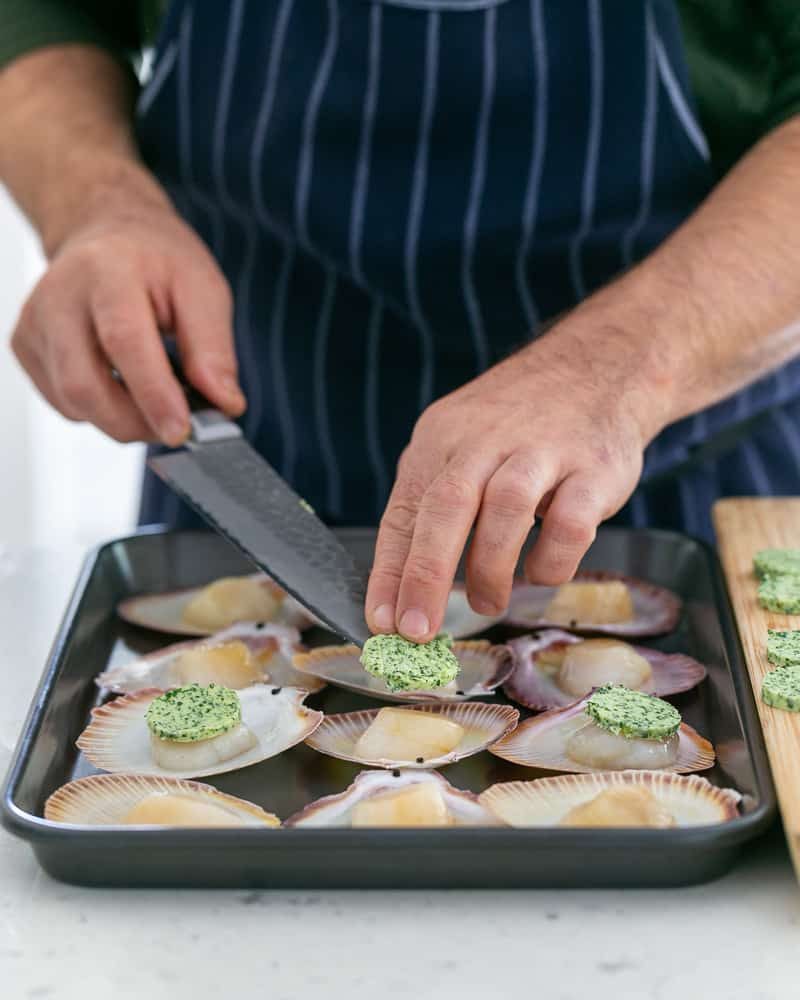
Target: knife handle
x=208, y=423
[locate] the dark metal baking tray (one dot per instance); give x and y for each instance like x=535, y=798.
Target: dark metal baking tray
x=92, y=637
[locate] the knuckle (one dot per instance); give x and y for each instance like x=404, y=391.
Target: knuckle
x=399, y=517
x=423, y=570
x=115, y=329
x=75, y=392
x=450, y=491
x=509, y=498
x=571, y=531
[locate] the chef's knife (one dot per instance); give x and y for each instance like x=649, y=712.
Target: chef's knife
x=243, y=498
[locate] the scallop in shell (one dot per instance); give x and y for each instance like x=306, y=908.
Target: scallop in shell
x=223, y=602
x=480, y=725
x=537, y=679
x=653, y=610
x=396, y=798
x=605, y=799
x=244, y=654
x=118, y=740
x=483, y=668
x=147, y=800
x=543, y=742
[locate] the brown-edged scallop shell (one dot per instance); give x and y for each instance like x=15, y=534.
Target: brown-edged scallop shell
x=271, y=648
x=165, y=612
x=150, y=801
x=482, y=725
x=689, y=799
x=118, y=739
x=541, y=742
x=483, y=668
x=533, y=686
x=455, y=807
x=655, y=609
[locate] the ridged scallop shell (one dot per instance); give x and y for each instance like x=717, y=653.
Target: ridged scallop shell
x=540, y=742
x=153, y=670
x=531, y=686
x=335, y=810
x=692, y=800
x=164, y=612
x=105, y=799
x=656, y=610
x=483, y=725
x=118, y=740
x=483, y=668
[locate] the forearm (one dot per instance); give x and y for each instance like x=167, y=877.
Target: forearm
x=718, y=304
x=66, y=139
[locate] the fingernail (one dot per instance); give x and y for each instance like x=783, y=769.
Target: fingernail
x=383, y=616
x=174, y=432
x=414, y=624
x=234, y=393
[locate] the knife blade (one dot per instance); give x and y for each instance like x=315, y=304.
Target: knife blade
x=243, y=498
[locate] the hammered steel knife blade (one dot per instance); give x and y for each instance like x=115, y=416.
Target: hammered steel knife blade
x=243, y=498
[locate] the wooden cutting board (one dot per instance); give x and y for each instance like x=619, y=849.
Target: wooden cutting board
x=745, y=525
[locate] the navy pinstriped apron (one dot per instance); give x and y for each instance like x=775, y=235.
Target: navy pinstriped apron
x=400, y=192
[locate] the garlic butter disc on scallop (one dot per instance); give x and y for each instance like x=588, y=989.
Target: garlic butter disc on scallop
x=149, y=800
x=578, y=799
x=542, y=742
x=167, y=612
x=654, y=610
x=340, y=735
x=270, y=648
x=483, y=668
x=396, y=798
x=539, y=661
x=118, y=739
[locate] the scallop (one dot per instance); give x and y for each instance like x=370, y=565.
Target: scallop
x=566, y=739
x=238, y=656
x=140, y=800
x=118, y=740
x=396, y=798
x=483, y=668
x=552, y=668
x=425, y=736
x=598, y=602
x=223, y=602
x=612, y=799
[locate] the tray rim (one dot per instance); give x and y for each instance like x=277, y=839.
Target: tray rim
x=39, y=831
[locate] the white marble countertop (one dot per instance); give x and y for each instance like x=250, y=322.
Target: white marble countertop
x=734, y=939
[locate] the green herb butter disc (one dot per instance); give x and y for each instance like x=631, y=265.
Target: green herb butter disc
x=632, y=713
x=777, y=562
x=781, y=688
x=410, y=666
x=783, y=648
x=194, y=712
x=780, y=593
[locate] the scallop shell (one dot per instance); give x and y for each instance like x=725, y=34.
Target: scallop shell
x=656, y=610
x=483, y=724
x=460, y=620
x=483, y=668
x=104, y=799
x=118, y=740
x=530, y=686
x=692, y=800
x=153, y=670
x=540, y=742
x=335, y=810
x=164, y=612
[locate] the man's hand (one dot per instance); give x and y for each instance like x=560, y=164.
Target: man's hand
x=556, y=430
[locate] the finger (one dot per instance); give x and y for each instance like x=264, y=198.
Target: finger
x=128, y=336
x=446, y=513
x=415, y=471
x=202, y=318
x=507, y=513
x=568, y=529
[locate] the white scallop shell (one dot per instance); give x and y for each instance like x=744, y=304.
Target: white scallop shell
x=692, y=800
x=541, y=742
x=153, y=670
x=483, y=668
x=482, y=724
x=164, y=612
x=655, y=609
x=460, y=620
x=336, y=810
x=118, y=740
x=532, y=687
x=105, y=799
